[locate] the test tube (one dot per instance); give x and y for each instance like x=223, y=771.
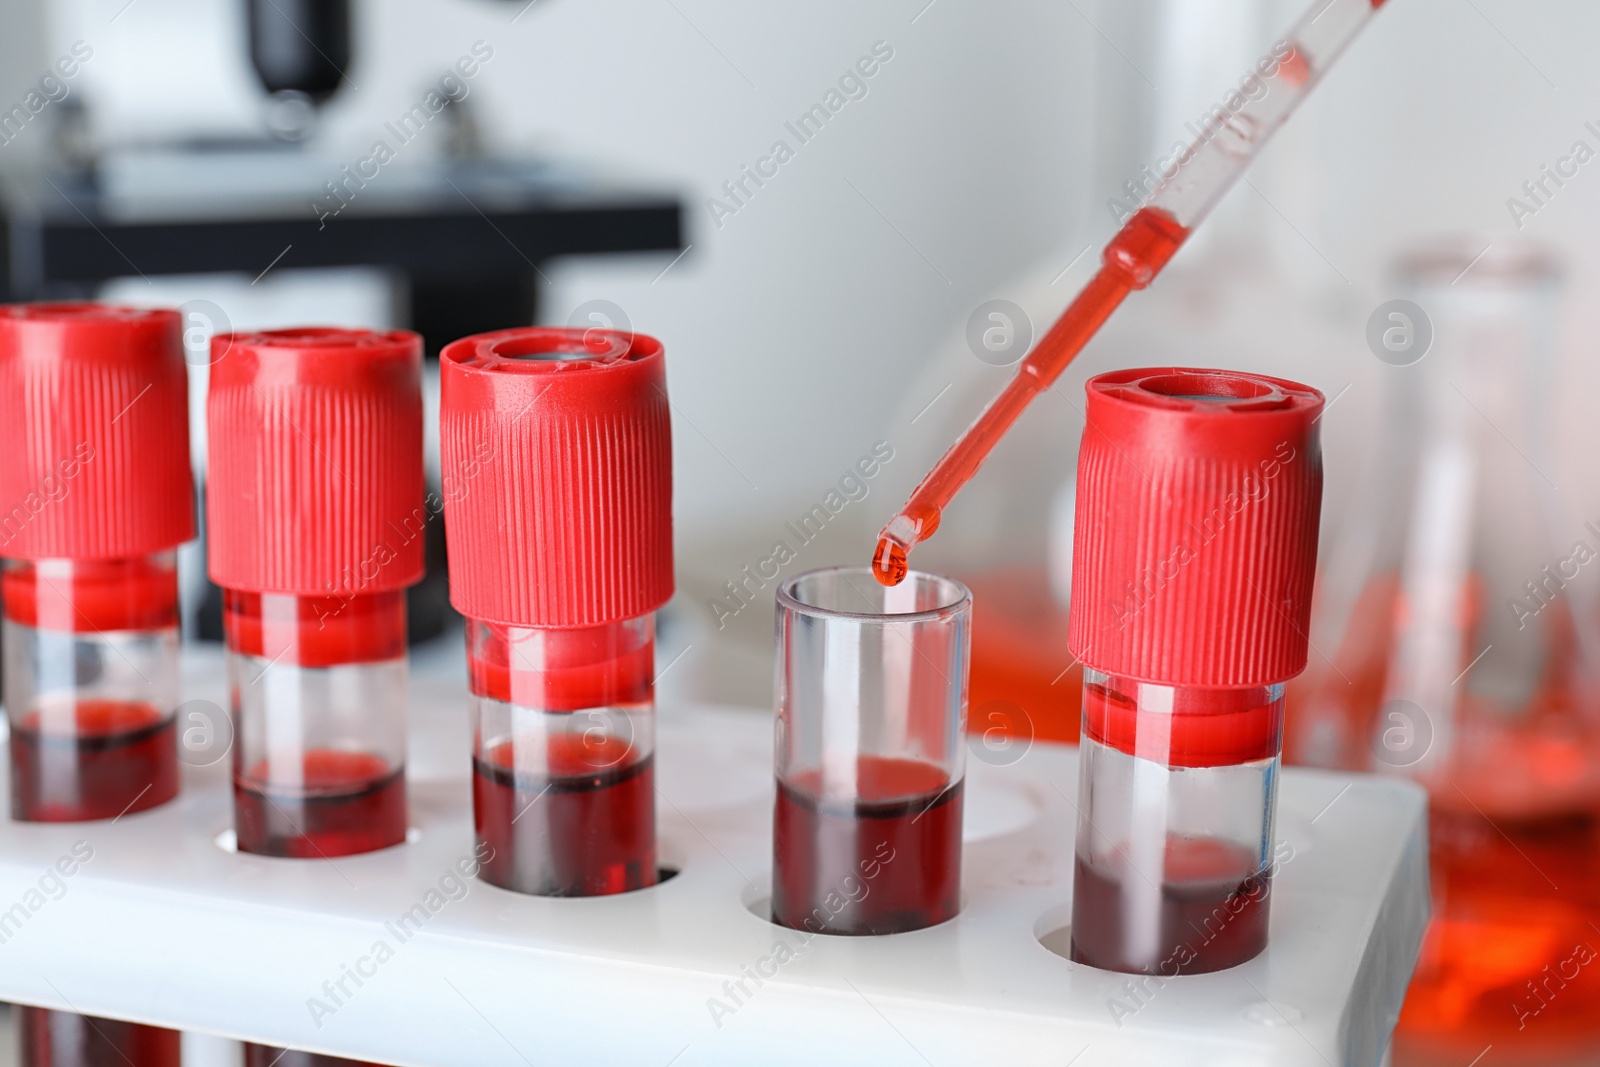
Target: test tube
x=271, y=1056
x=95, y=496
x=315, y=531
x=1193, y=555
x=67, y=1039
x=871, y=695
x=557, y=457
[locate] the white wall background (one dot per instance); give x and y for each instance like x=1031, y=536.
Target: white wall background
x=828, y=312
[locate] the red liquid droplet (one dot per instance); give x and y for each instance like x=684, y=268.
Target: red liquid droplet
x=889, y=563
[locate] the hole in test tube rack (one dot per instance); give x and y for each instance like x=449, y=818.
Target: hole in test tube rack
x=228, y=840
x=670, y=863
x=757, y=900
x=1054, y=930
x=664, y=874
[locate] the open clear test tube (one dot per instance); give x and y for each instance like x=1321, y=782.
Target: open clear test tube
x=316, y=530
x=96, y=495
x=1194, y=552
x=871, y=695
x=557, y=456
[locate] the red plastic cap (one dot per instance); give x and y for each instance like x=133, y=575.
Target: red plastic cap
x=1195, y=543
x=94, y=431
x=315, y=462
x=557, y=455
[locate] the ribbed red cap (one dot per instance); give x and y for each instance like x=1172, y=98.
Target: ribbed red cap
x=557, y=455
x=315, y=462
x=94, y=432
x=1195, y=542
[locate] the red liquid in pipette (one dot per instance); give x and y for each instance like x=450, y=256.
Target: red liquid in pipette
x=1133, y=258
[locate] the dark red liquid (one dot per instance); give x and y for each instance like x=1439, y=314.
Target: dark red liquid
x=268, y=1056
x=1213, y=911
x=886, y=863
x=63, y=1039
x=587, y=830
x=350, y=802
x=122, y=758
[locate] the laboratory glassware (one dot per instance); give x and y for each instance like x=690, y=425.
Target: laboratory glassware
x=871, y=694
x=98, y=495
x=1194, y=550
x=315, y=532
x=1461, y=636
x=557, y=454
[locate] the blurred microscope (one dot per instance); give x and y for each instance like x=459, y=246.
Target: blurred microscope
x=465, y=231
x=461, y=232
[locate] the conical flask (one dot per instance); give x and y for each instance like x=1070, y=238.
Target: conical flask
x=1457, y=647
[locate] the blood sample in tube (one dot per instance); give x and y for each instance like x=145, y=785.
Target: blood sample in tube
x=871, y=701
x=315, y=533
x=97, y=495
x=557, y=460
x=1193, y=553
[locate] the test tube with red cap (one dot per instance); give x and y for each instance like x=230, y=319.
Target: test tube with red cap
x=557, y=462
x=315, y=531
x=1194, y=550
x=96, y=495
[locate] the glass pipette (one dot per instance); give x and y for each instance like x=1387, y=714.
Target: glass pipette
x=1192, y=181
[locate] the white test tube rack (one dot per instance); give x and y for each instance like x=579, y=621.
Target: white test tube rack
x=165, y=925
